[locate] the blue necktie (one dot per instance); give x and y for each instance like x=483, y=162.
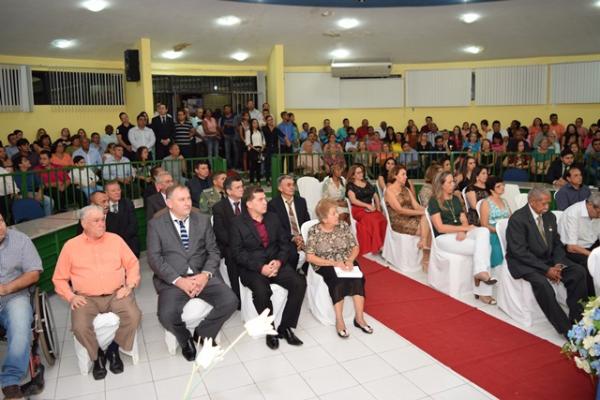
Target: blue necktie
x=185, y=239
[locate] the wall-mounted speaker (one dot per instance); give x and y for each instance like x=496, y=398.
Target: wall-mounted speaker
x=132, y=65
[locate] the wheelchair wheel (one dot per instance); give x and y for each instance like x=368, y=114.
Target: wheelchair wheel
x=45, y=327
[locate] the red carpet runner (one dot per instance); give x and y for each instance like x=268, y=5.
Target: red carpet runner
x=502, y=359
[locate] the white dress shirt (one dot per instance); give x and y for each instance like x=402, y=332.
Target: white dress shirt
x=141, y=137
x=186, y=223
x=577, y=228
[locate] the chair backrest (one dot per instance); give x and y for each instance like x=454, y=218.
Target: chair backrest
x=520, y=201
x=555, y=193
x=478, y=207
x=26, y=210
x=428, y=217
x=464, y=196
x=511, y=191
x=501, y=226
x=352, y=220
x=594, y=261
x=311, y=190
x=306, y=227
x=557, y=214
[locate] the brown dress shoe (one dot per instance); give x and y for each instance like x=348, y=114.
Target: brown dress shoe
x=12, y=392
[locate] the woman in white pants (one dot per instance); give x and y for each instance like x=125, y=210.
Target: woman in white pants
x=453, y=234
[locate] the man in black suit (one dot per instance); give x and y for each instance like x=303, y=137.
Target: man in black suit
x=559, y=167
x=536, y=254
x=224, y=213
x=164, y=131
x=261, y=249
x=151, y=187
x=121, y=217
x=292, y=212
x=157, y=201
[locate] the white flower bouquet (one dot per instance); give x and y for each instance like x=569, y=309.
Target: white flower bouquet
x=584, y=339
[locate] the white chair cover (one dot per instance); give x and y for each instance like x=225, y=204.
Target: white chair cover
x=478, y=207
x=223, y=272
x=193, y=313
x=515, y=296
x=464, y=196
x=449, y=273
x=400, y=250
x=311, y=189
x=594, y=267
x=520, y=201
x=278, y=299
x=511, y=192
x=105, y=326
x=352, y=220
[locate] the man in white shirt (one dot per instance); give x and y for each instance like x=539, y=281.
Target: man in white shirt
x=141, y=135
x=255, y=114
x=121, y=172
x=579, y=229
x=496, y=128
x=381, y=129
x=89, y=154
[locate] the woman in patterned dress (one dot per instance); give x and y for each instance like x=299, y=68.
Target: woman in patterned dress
x=493, y=209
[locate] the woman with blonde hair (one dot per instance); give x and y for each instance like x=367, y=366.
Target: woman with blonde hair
x=427, y=189
x=331, y=247
x=334, y=188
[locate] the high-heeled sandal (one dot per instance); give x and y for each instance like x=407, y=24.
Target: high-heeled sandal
x=491, y=301
x=489, y=281
x=365, y=329
x=343, y=334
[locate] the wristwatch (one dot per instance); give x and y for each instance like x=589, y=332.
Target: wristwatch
x=210, y=275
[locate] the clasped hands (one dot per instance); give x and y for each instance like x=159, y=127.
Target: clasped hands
x=554, y=273
x=192, y=285
x=271, y=269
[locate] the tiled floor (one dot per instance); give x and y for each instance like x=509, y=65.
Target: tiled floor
x=380, y=366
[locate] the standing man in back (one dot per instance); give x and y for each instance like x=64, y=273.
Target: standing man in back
x=164, y=130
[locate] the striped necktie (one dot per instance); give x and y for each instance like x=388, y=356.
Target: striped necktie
x=185, y=239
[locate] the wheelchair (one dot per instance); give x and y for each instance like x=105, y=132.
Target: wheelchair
x=44, y=338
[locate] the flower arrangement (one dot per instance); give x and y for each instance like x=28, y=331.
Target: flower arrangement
x=584, y=339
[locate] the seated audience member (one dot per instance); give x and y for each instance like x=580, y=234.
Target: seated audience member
x=224, y=213
x=25, y=151
x=559, y=168
x=157, y=201
x=334, y=188
x=143, y=167
x=175, y=164
x=21, y=268
x=55, y=180
x=119, y=167
x=200, y=181
x=476, y=191
x=153, y=187
x=333, y=153
x=518, y=163
x=410, y=158
x=137, y=136
x=183, y=253
x=91, y=155
x=100, y=199
x=351, y=144
x=382, y=180
x=30, y=184
x=11, y=147
x=455, y=235
x=406, y=215
x=541, y=159
x=292, y=212
x=573, y=191
x=60, y=156
x=96, y=273
x=8, y=190
x=464, y=173
x=310, y=161
x=331, y=244
x=84, y=177
x=493, y=209
x=427, y=190
x=592, y=162
x=366, y=210
x=122, y=216
x=535, y=253
x=262, y=248
x=579, y=229
x=214, y=194
x=108, y=137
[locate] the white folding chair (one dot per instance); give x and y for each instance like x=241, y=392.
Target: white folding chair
x=464, y=196
x=319, y=300
x=278, y=299
x=594, y=267
x=515, y=296
x=511, y=192
x=311, y=190
x=193, y=313
x=557, y=214
x=399, y=249
x=352, y=220
x=478, y=207
x=105, y=326
x=520, y=201
x=449, y=273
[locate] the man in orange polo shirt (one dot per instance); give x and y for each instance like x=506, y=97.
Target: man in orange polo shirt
x=96, y=273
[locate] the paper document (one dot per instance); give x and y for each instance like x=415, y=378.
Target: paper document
x=355, y=273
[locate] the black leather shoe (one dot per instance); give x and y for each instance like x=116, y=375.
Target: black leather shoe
x=99, y=371
x=114, y=362
x=189, y=350
x=202, y=339
x=289, y=336
x=272, y=342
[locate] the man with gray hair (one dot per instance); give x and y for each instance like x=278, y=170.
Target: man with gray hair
x=536, y=254
x=96, y=273
x=158, y=201
x=579, y=228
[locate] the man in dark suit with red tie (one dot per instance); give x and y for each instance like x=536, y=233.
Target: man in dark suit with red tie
x=164, y=131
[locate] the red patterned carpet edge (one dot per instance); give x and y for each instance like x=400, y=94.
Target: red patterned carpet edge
x=500, y=358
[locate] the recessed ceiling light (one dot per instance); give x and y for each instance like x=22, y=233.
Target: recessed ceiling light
x=95, y=5
x=469, y=18
x=63, y=43
x=348, y=23
x=473, y=49
x=340, y=53
x=240, y=56
x=171, y=55
x=326, y=13
x=228, y=20
x=597, y=3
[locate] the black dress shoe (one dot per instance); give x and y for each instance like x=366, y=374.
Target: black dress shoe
x=99, y=371
x=289, y=336
x=114, y=362
x=189, y=350
x=272, y=342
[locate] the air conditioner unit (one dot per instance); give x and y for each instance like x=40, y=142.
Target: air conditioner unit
x=361, y=69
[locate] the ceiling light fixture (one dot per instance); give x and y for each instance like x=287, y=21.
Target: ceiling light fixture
x=469, y=18
x=172, y=55
x=228, y=20
x=240, y=56
x=597, y=3
x=340, y=53
x=95, y=5
x=473, y=49
x=63, y=43
x=348, y=23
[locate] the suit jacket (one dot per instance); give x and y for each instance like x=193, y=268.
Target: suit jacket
x=247, y=248
x=154, y=203
x=223, y=218
x=149, y=190
x=526, y=251
x=124, y=224
x=555, y=171
x=163, y=131
x=279, y=208
x=169, y=259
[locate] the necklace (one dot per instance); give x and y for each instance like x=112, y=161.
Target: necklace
x=449, y=202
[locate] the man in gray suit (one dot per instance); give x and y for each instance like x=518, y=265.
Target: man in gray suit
x=183, y=253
